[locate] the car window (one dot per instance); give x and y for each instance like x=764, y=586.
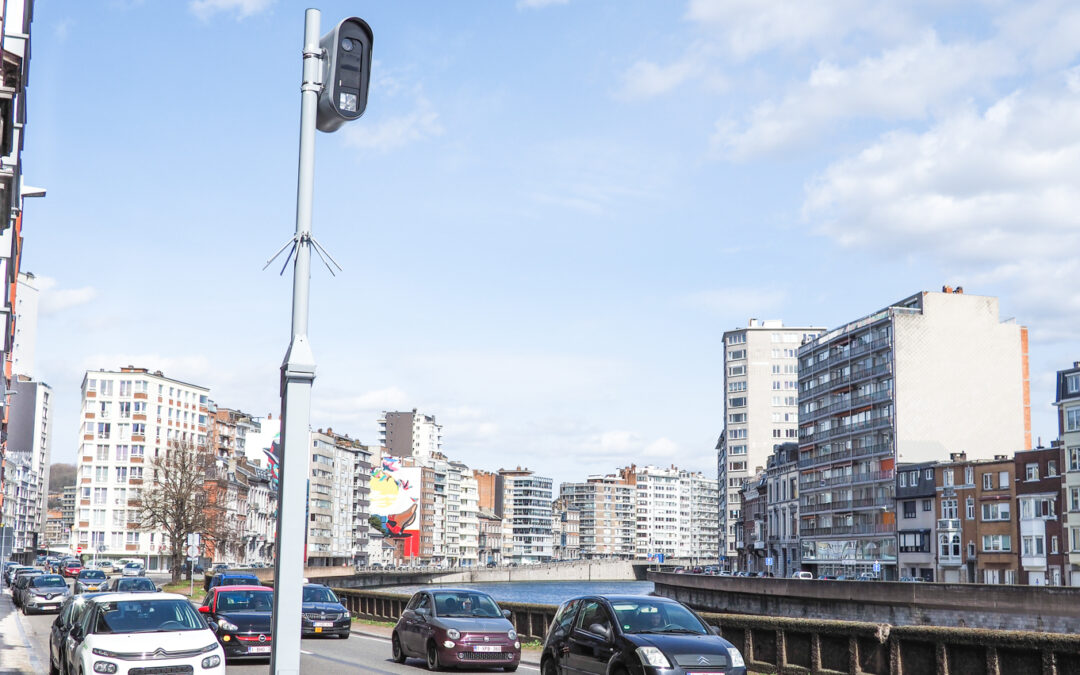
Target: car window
x=657, y=617
x=91, y=574
x=245, y=601
x=465, y=603
x=138, y=584
x=415, y=601
x=85, y=618
x=565, y=617
x=65, y=613
x=593, y=614
x=146, y=616
x=48, y=580
x=425, y=602
x=319, y=595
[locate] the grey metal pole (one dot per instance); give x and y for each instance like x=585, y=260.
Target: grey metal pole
x=297, y=375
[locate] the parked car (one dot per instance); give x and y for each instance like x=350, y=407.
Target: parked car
x=133, y=569
x=912, y=579
x=70, y=612
x=449, y=626
x=827, y=577
x=89, y=580
x=116, y=628
x=802, y=575
x=129, y=585
x=105, y=565
x=231, y=579
x=43, y=593
x=242, y=615
x=323, y=613
x=71, y=568
x=868, y=576
x=21, y=580
x=634, y=634
x=11, y=571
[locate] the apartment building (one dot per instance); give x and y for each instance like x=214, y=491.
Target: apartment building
x=976, y=531
x=55, y=536
x=923, y=377
x=761, y=380
x=523, y=501
x=658, y=500
x=916, y=513
x=565, y=530
x=699, y=499
x=1068, y=405
x=782, y=509
x=605, y=506
x=410, y=434
x=67, y=507
x=1039, y=512
x=336, y=485
x=489, y=544
x=750, y=531
x=129, y=417
x=468, y=517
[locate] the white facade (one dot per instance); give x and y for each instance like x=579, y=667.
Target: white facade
x=657, y=497
x=24, y=349
x=338, y=495
x=698, y=520
x=526, y=515
x=128, y=418
x=761, y=390
x=29, y=444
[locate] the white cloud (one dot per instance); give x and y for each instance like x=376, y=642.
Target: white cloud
x=991, y=197
x=734, y=301
x=908, y=82
x=645, y=79
x=204, y=9
x=384, y=135
x=54, y=300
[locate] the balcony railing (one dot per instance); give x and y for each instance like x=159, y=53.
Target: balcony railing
x=845, y=505
x=849, y=479
x=872, y=528
x=948, y=524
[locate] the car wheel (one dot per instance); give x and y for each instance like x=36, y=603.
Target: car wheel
x=433, y=657
x=396, y=650
x=510, y=669
x=344, y=636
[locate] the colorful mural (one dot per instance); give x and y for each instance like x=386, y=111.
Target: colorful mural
x=395, y=504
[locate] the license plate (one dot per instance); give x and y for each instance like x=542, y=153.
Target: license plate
x=487, y=648
x=48, y=606
x=324, y=624
x=259, y=650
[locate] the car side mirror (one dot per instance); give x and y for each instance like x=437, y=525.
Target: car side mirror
x=213, y=626
x=76, y=633
x=205, y=609
x=506, y=613
x=600, y=629
x=715, y=630
x=158, y=588
x=422, y=612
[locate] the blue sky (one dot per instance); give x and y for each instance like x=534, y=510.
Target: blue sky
x=551, y=210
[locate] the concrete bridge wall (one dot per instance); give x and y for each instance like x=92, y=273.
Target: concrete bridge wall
x=1026, y=608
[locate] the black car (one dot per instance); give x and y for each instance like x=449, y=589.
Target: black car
x=323, y=613
x=128, y=585
x=640, y=635
x=244, y=618
x=69, y=615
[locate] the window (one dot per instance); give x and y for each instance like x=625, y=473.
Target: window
x=138, y=450
x=125, y=409
x=996, y=542
x=102, y=453
x=1003, y=480
x=929, y=475
x=736, y=433
x=996, y=511
x=947, y=476
x=909, y=509
x=988, y=481
x=914, y=542
x=928, y=505
x=133, y=538
x=903, y=480
x=969, y=475
x=100, y=494
x=106, y=387
x=736, y=418
x=735, y=371
x=737, y=450
x=1074, y=499
x=736, y=386
x=1072, y=419
x=1054, y=545
x=737, y=466
x=101, y=474
x=103, y=430
x=1074, y=537
x=122, y=453
x=1051, y=468
x=738, y=338
x=948, y=508
x=1031, y=471
x=121, y=474
x=737, y=402
x=970, y=506
x=736, y=354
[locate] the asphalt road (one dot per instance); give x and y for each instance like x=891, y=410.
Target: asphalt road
x=321, y=656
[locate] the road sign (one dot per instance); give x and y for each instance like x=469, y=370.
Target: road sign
x=659, y=557
x=192, y=551
x=768, y=561
x=877, y=566
x=193, y=539
x=101, y=548
x=79, y=549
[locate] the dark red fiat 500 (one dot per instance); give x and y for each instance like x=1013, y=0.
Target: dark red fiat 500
x=456, y=627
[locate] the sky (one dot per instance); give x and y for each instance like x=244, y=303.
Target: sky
x=551, y=210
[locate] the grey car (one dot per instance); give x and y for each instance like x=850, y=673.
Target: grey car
x=43, y=593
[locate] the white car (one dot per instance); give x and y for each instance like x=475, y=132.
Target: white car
x=120, y=633
x=134, y=570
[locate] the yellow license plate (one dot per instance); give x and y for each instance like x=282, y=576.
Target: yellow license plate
x=318, y=630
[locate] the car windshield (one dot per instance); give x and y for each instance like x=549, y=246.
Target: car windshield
x=655, y=617
x=149, y=616
x=245, y=601
x=240, y=581
x=132, y=566
x=141, y=584
x=465, y=603
x=319, y=595
x=91, y=574
x=48, y=581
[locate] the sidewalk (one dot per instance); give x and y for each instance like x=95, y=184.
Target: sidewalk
x=16, y=655
x=528, y=656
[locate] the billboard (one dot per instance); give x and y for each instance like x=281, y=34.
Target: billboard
x=395, y=504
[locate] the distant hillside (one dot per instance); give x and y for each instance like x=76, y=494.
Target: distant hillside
x=61, y=475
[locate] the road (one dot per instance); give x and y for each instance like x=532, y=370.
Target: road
x=24, y=648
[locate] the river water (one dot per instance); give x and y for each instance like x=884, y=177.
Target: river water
x=540, y=592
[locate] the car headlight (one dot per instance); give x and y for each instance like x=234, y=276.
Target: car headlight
x=211, y=661
x=448, y=644
x=651, y=656
x=735, y=658
x=225, y=625
x=104, y=667
x=453, y=634
x=512, y=634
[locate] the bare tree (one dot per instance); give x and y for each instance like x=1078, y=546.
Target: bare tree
x=176, y=498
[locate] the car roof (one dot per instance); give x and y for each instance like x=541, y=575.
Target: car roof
x=140, y=597
x=630, y=598
x=246, y=587
x=457, y=590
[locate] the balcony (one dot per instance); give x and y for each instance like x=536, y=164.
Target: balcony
x=870, y=528
x=849, y=479
x=845, y=505
x=948, y=524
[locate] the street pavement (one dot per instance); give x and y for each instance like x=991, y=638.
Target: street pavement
x=24, y=649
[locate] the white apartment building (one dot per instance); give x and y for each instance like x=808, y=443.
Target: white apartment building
x=1068, y=405
x=607, y=523
x=761, y=390
x=26, y=470
x=129, y=417
x=337, y=490
x=933, y=374
x=523, y=501
x=699, y=499
x=410, y=434
x=24, y=348
x=469, y=517
x=657, y=497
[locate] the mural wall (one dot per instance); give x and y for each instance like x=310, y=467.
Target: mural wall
x=395, y=504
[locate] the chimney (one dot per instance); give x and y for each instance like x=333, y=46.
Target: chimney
x=946, y=289
x=960, y=290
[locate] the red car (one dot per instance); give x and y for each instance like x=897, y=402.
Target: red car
x=72, y=569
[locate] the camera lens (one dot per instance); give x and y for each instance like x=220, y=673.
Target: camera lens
x=347, y=44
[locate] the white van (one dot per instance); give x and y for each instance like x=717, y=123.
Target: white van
x=802, y=575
